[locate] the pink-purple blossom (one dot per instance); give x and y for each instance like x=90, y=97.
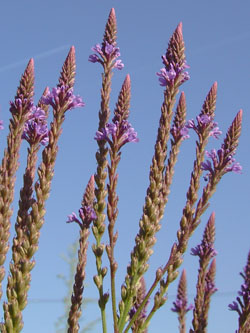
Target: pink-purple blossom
x=242, y=305
x=180, y=305
x=119, y=134
x=87, y=215
x=169, y=73
x=19, y=102
x=73, y=218
x=107, y=52
x=202, y=122
x=180, y=133
x=35, y=128
x=219, y=158
x=62, y=96
x=204, y=249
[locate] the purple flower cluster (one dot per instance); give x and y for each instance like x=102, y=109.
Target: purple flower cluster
x=204, y=250
x=168, y=75
x=244, y=294
x=107, y=52
x=203, y=121
x=218, y=159
x=87, y=215
x=19, y=102
x=180, y=133
x=181, y=305
x=121, y=134
x=62, y=96
x=35, y=128
x=210, y=286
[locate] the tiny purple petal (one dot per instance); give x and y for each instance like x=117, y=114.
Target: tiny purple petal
x=207, y=166
x=215, y=133
x=236, y=167
x=166, y=77
x=204, y=119
x=72, y=218
x=87, y=215
x=97, y=48
x=93, y=58
x=190, y=124
x=118, y=64
x=109, y=48
x=234, y=306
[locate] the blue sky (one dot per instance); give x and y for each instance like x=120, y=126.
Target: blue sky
x=217, y=39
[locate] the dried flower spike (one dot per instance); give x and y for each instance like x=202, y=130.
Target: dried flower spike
x=206, y=276
x=242, y=306
x=87, y=214
x=181, y=306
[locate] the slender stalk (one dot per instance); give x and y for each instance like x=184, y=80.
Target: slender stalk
x=106, y=58
x=20, y=109
x=206, y=275
x=76, y=298
x=153, y=208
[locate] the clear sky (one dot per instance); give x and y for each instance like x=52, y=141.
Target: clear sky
x=217, y=39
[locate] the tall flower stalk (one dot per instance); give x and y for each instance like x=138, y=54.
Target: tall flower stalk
x=105, y=54
x=205, y=285
x=171, y=76
x=181, y=304
x=242, y=306
x=117, y=133
x=87, y=215
x=20, y=109
x=61, y=99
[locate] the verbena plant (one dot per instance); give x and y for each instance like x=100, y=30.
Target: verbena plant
x=99, y=207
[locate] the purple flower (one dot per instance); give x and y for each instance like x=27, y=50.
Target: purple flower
x=109, y=48
x=180, y=305
x=19, y=103
x=236, y=167
x=109, y=129
x=180, y=133
x=118, y=64
x=35, y=128
x=234, y=306
x=63, y=97
x=210, y=287
x=169, y=73
x=1, y=125
x=87, y=214
x=73, y=218
x=219, y=159
x=128, y=133
x=93, y=58
x=203, y=250
x=166, y=77
x=202, y=122
x=107, y=52
x=120, y=134
x=242, y=305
